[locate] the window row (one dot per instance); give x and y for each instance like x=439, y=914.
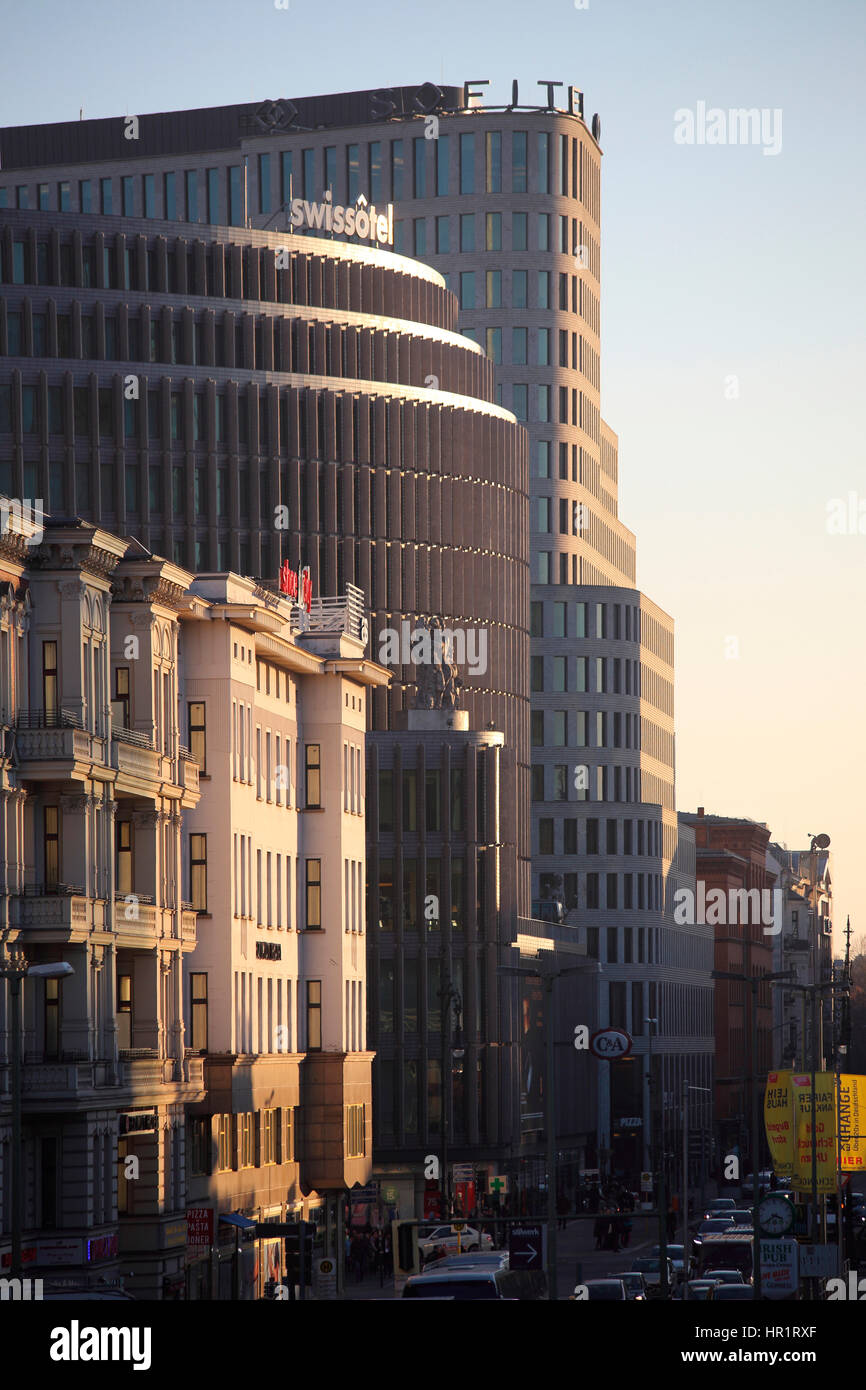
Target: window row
x=423, y=899
x=611, y=836
x=598, y=674
x=629, y=892
x=582, y=729
x=579, y=782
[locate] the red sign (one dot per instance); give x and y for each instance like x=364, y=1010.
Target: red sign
x=102, y=1247
x=199, y=1225
x=432, y=1206
x=297, y=584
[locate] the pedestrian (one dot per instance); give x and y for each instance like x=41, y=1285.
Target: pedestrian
x=672, y=1223
x=562, y=1206
x=599, y=1230
x=627, y=1225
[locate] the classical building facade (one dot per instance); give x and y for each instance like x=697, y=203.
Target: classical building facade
x=277, y=984
x=94, y=791
x=802, y=946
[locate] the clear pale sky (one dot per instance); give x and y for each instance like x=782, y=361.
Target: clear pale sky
x=718, y=261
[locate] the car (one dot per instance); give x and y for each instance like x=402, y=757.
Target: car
x=461, y=1285
x=698, y=1289
x=743, y=1216
x=732, y=1293
x=727, y=1276
x=650, y=1267
x=720, y=1204
x=446, y=1240
x=764, y=1179
x=475, y=1259
x=635, y=1285
x=676, y=1255
x=604, y=1291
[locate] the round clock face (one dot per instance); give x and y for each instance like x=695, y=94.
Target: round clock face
x=776, y=1215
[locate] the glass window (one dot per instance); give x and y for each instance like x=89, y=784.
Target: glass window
x=420, y=236
x=386, y=801
x=198, y=872
x=313, y=775
x=191, y=194
x=544, y=231
x=397, y=170
x=309, y=174
x=544, y=347
x=314, y=1015
x=85, y=195
x=520, y=400
x=467, y=289
x=494, y=289
x=150, y=195
x=494, y=231
x=443, y=146
x=544, y=289
x=213, y=195
x=64, y=197
x=314, y=894
x=537, y=726
x=494, y=161
x=559, y=681
x=518, y=161
x=519, y=340
x=542, y=459
x=235, y=203
x=518, y=231
x=443, y=236
x=264, y=183
x=419, y=160
x=544, y=403
x=377, y=190
x=127, y=187
x=433, y=800
x=467, y=231
x=494, y=344
x=467, y=163
x=543, y=162
x=353, y=173
x=536, y=671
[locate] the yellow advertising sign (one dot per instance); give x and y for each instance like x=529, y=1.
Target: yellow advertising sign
x=779, y=1122
x=825, y=1131
x=852, y=1122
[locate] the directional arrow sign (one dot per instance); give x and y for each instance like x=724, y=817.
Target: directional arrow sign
x=526, y=1246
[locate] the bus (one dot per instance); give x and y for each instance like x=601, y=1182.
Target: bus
x=731, y=1249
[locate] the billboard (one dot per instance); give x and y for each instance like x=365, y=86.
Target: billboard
x=779, y=1122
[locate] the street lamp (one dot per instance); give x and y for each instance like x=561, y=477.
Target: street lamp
x=547, y=974
x=14, y=970
x=754, y=982
x=450, y=998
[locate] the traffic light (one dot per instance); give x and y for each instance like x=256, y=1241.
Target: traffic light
x=404, y=1242
x=299, y=1252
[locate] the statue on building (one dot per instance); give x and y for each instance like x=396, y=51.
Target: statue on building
x=438, y=685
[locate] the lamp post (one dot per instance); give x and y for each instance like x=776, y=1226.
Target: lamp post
x=14, y=969
x=657, y=1143
x=548, y=974
x=705, y=1090
x=754, y=982
x=450, y=998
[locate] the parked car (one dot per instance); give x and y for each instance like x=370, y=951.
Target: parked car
x=466, y=1285
x=720, y=1204
x=604, y=1291
x=635, y=1285
x=728, y=1276
x=445, y=1240
x=732, y=1293
x=743, y=1216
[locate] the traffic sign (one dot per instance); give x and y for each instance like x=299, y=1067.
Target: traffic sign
x=526, y=1246
x=497, y=1185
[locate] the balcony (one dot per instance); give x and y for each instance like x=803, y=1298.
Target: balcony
x=56, y=736
x=189, y=772
x=59, y=907
x=795, y=943
x=49, y=1081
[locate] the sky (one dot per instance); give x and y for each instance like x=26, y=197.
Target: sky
x=732, y=315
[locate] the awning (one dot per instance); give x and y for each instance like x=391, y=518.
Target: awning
x=234, y=1218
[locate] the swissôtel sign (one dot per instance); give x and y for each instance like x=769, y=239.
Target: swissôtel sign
x=367, y=223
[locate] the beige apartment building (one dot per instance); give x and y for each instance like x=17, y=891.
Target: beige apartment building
x=93, y=793
x=275, y=704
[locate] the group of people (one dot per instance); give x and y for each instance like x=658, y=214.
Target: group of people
x=369, y=1252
